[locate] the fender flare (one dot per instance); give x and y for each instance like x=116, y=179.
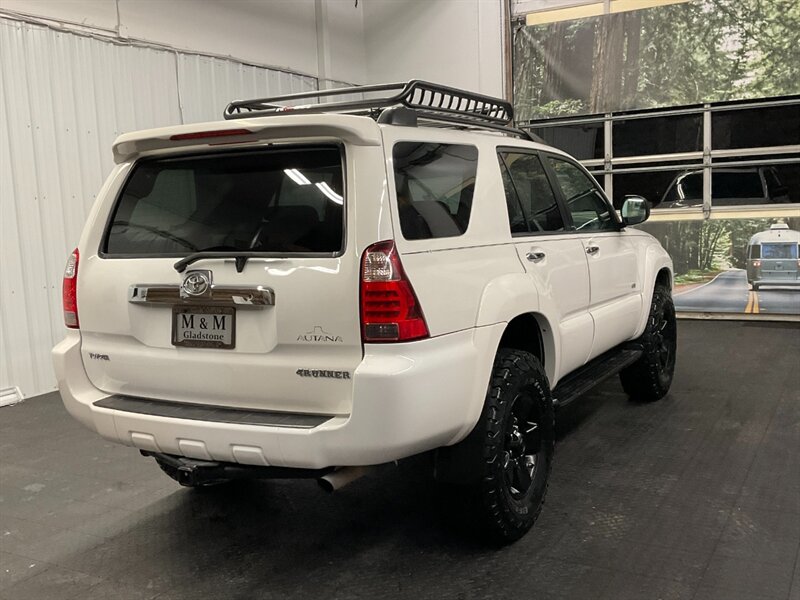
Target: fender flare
x=503, y=299
x=656, y=259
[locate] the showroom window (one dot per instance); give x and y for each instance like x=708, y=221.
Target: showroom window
x=696, y=158
x=582, y=141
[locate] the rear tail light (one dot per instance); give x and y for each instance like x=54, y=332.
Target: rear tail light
x=756, y=263
x=69, y=291
x=390, y=311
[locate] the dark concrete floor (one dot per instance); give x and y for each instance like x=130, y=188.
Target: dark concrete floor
x=696, y=496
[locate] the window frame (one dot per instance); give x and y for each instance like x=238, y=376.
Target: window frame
x=753, y=155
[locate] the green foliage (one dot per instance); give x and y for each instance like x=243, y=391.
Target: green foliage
x=701, y=51
x=695, y=276
x=557, y=108
x=701, y=247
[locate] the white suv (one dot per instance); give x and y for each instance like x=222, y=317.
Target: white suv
x=307, y=291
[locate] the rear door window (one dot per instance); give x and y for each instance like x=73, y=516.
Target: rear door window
x=735, y=186
x=286, y=201
x=435, y=184
x=516, y=218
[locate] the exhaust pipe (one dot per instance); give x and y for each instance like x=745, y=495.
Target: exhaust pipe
x=341, y=477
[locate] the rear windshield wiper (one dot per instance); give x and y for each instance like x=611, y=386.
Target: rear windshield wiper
x=239, y=256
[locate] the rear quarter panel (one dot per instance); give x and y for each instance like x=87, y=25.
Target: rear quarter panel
x=450, y=275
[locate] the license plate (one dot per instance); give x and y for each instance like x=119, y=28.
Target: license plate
x=204, y=326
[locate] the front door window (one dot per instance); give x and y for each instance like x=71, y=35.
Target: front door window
x=583, y=200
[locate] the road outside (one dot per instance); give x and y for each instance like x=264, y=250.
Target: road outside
x=729, y=292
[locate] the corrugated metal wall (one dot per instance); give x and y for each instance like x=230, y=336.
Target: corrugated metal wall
x=64, y=98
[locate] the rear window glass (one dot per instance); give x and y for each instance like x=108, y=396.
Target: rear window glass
x=435, y=184
x=283, y=201
x=779, y=251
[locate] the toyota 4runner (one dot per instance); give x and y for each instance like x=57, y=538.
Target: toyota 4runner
x=304, y=291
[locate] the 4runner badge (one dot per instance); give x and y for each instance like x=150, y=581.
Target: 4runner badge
x=195, y=283
x=316, y=373
x=318, y=334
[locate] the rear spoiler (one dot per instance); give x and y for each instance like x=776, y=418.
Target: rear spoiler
x=360, y=131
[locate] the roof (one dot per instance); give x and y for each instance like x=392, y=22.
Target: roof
x=776, y=234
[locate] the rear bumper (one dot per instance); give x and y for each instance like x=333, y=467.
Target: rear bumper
x=407, y=399
x=775, y=281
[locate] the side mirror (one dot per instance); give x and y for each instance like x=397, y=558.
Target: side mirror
x=635, y=210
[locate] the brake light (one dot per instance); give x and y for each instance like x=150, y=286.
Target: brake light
x=390, y=311
x=69, y=291
x=199, y=135
x=756, y=263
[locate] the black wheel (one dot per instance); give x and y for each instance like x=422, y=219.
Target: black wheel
x=650, y=377
x=755, y=287
x=517, y=432
x=172, y=473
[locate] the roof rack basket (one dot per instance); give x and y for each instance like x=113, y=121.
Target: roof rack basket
x=425, y=100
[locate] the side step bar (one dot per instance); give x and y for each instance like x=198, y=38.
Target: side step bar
x=579, y=382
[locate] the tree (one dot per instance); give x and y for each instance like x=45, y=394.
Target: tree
x=689, y=53
x=633, y=38
x=609, y=42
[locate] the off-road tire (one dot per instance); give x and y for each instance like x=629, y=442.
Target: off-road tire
x=172, y=473
x=518, y=391
x=650, y=377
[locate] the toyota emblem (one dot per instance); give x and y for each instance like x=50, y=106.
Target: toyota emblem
x=196, y=283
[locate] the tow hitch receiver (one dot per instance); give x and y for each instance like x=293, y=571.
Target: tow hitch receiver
x=193, y=472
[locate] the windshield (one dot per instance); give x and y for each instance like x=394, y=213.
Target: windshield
x=287, y=200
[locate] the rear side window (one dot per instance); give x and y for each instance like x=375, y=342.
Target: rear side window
x=435, y=184
x=735, y=185
x=528, y=183
x=284, y=201
x=780, y=251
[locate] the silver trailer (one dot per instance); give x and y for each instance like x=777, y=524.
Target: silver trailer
x=773, y=257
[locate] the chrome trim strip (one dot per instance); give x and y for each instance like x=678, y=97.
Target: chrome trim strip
x=218, y=295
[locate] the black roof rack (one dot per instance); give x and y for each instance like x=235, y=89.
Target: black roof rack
x=396, y=103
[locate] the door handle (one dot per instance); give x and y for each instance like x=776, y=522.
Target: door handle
x=592, y=250
x=535, y=256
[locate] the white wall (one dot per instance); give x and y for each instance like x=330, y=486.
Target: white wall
x=99, y=68
x=276, y=33
x=64, y=98
x=453, y=42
